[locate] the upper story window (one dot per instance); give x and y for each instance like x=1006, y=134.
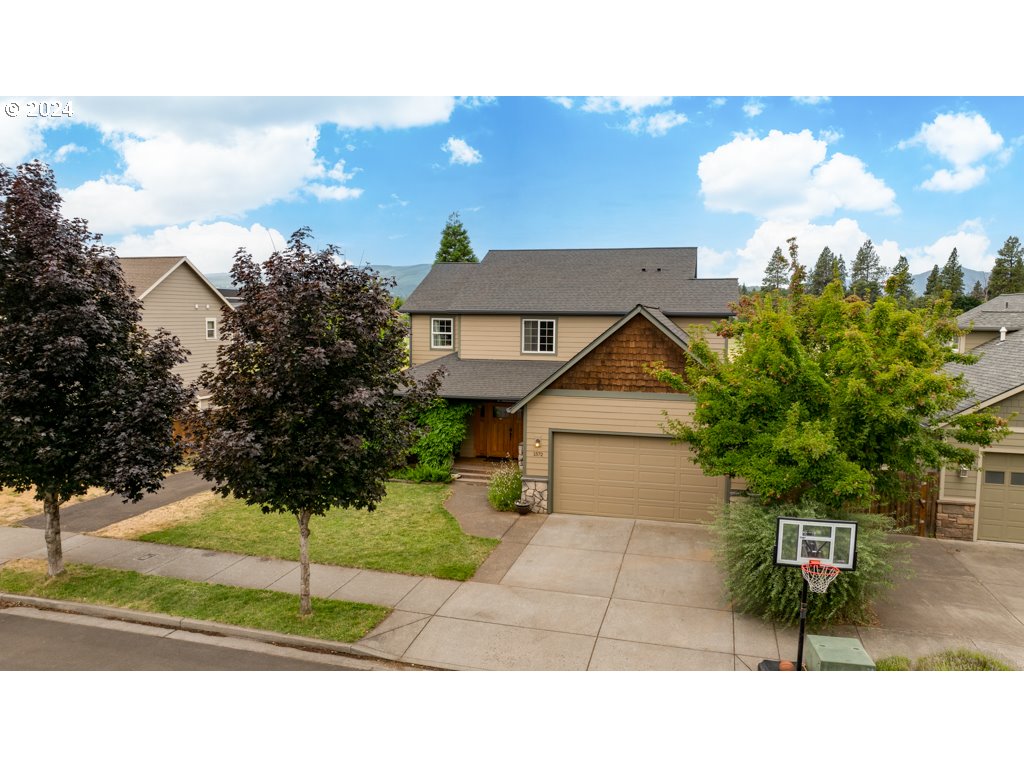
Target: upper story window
x=211, y=329
x=539, y=336
x=442, y=335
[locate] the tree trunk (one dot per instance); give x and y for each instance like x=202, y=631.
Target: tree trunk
x=305, y=604
x=54, y=555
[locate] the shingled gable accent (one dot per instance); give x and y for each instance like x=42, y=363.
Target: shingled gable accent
x=614, y=361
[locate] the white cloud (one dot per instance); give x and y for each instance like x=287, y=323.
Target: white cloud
x=830, y=135
x=607, y=104
x=396, y=202
x=336, y=191
x=958, y=181
x=211, y=247
x=67, y=149
x=963, y=140
x=753, y=108
x=211, y=118
x=563, y=101
x=657, y=124
x=473, y=102
x=972, y=246
x=786, y=176
x=811, y=100
x=169, y=179
x=21, y=139
x=718, y=101
x=460, y=153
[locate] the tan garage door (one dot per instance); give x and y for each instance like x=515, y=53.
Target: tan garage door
x=1001, y=516
x=620, y=476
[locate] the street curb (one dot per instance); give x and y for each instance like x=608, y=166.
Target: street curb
x=213, y=628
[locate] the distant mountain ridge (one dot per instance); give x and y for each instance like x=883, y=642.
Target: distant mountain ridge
x=970, y=277
x=406, y=278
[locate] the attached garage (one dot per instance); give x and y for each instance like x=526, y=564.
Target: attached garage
x=1001, y=508
x=630, y=476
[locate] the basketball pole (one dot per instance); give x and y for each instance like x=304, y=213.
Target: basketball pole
x=803, y=624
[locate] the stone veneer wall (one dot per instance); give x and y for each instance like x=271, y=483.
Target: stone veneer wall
x=536, y=493
x=954, y=521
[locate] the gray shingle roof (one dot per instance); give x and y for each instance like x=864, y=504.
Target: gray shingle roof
x=487, y=379
x=999, y=369
x=1006, y=311
x=575, y=281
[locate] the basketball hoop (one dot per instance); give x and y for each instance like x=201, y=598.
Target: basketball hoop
x=818, y=576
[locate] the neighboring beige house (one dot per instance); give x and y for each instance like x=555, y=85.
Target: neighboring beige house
x=986, y=501
x=549, y=347
x=176, y=296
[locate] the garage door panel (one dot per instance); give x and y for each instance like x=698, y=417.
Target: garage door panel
x=645, y=477
x=1001, y=511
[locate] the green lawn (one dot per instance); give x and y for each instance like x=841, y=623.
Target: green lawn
x=274, y=611
x=410, y=532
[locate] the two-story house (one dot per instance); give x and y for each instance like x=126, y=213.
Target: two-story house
x=986, y=501
x=176, y=296
x=550, y=347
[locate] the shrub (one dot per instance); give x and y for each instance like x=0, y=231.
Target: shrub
x=893, y=664
x=425, y=473
x=443, y=427
x=506, y=487
x=746, y=533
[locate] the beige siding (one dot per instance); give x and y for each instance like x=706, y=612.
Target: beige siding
x=955, y=487
x=976, y=338
x=421, y=351
x=593, y=414
x=689, y=324
x=172, y=305
x=1010, y=406
x=499, y=337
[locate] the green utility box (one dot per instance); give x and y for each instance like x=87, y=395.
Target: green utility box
x=845, y=654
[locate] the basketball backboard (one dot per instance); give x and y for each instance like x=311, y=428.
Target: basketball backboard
x=800, y=540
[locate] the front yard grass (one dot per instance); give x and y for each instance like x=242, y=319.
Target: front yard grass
x=255, y=608
x=409, y=532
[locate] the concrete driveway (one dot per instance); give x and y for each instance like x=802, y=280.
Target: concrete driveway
x=603, y=594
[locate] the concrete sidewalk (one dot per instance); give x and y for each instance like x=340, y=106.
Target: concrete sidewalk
x=575, y=593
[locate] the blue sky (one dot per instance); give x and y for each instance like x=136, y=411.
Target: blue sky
x=734, y=176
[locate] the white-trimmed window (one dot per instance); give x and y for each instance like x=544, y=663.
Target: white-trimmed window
x=211, y=329
x=442, y=334
x=539, y=336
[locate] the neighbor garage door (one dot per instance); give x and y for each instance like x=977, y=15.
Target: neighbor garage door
x=620, y=476
x=1001, y=515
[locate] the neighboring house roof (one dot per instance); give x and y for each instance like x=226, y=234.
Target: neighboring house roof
x=485, y=379
x=998, y=373
x=608, y=281
x=144, y=273
x=1004, y=311
x=657, y=318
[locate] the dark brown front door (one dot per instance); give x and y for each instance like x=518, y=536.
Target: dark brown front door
x=496, y=432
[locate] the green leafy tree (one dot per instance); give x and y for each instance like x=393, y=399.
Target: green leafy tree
x=900, y=284
x=830, y=400
x=311, y=401
x=87, y=396
x=951, y=278
x=1008, y=271
x=776, y=274
x=454, y=242
x=867, y=273
x=827, y=268
x=933, y=286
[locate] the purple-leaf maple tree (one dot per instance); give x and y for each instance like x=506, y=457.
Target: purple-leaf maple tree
x=310, y=397
x=87, y=396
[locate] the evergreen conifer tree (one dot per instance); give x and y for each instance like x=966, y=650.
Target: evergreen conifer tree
x=777, y=273
x=867, y=273
x=455, y=245
x=952, y=276
x=900, y=284
x=933, y=287
x=1008, y=271
x=826, y=269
